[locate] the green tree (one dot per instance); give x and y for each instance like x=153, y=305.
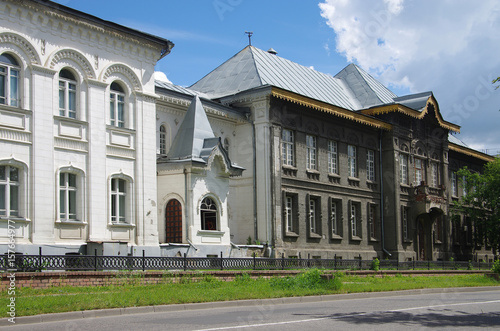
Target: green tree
x=482, y=201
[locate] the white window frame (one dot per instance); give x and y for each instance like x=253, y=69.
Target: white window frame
x=403, y=168
x=66, y=191
x=454, y=187
x=205, y=211
x=332, y=157
x=117, y=99
x=312, y=216
x=370, y=165
x=67, y=88
x=11, y=74
x=351, y=161
x=311, y=154
x=334, y=217
x=10, y=187
x=287, y=147
x=289, y=214
x=419, y=171
x=372, y=220
x=353, y=219
x=115, y=194
x=434, y=174
x=163, y=140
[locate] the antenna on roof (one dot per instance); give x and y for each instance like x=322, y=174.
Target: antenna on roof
x=249, y=33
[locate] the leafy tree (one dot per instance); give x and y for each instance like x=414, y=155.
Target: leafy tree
x=482, y=201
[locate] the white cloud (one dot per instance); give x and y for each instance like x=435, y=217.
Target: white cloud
x=449, y=47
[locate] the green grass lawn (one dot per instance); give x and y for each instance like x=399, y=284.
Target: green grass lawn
x=62, y=299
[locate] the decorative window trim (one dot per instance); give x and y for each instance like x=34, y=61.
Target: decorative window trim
x=352, y=164
x=80, y=195
x=129, y=200
x=288, y=148
x=23, y=184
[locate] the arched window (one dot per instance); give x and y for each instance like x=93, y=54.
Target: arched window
x=9, y=190
x=117, y=105
x=9, y=80
x=163, y=140
x=208, y=211
x=67, y=196
x=67, y=94
x=173, y=222
x=119, y=188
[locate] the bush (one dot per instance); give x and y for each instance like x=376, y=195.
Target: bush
x=496, y=267
x=309, y=279
x=375, y=265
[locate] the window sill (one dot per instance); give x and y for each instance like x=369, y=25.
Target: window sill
x=75, y=223
x=315, y=235
x=69, y=119
x=354, y=179
x=15, y=109
x=174, y=244
x=14, y=219
x=289, y=167
x=312, y=171
x=121, y=225
x=210, y=233
x=407, y=241
x=116, y=128
x=373, y=240
x=356, y=238
x=291, y=234
x=336, y=237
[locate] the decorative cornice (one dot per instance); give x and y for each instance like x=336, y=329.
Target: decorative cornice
x=28, y=49
x=470, y=152
x=124, y=70
x=70, y=144
x=15, y=135
x=43, y=70
x=328, y=108
x=126, y=153
x=385, y=109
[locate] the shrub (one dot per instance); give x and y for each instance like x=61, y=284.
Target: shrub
x=496, y=267
x=375, y=265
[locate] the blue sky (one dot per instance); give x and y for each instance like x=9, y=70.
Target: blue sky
x=448, y=47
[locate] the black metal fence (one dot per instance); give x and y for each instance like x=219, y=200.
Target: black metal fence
x=30, y=263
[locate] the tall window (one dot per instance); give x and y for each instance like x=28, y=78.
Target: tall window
x=312, y=216
x=208, y=211
x=9, y=80
x=334, y=217
x=454, y=188
x=354, y=220
x=332, y=157
x=351, y=160
x=117, y=105
x=370, y=165
x=435, y=174
x=289, y=214
x=438, y=229
x=311, y=152
x=372, y=220
x=163, y=140
x=67, y=94
x=118, y=200
x=403, y=168
x=226, y=145
x=404, y=218
x=9, y=191
x=287, y=145
x=67, y=196
x=419, y=171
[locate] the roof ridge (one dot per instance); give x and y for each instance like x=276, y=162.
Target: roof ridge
x=255, y=62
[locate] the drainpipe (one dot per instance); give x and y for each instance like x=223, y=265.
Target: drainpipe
x=382, y=196
x=254, y=182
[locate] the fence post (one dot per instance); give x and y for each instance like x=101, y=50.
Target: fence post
x=308, y=260
x=40, y=258
x=413, y=262
x=185, y=262
x=397, y=262
x=143, y=260
x=360, y=262
x=254, y=261
x=335, y=262
x=282, y=261
x=95, y=259
x=221, y=262
x=428, y=264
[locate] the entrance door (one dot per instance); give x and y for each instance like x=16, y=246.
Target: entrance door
x=173, y=222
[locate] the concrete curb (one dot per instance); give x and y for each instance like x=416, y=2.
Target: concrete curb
x=224, y=304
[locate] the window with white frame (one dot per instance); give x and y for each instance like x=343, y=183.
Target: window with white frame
x=464, y=186
x=419, y=171
x=332, y=157
x=68, y=196
x=310, y=152
x=435, y=174
x=403, y=168
x=370, y=165
x=163, y=140
x=404, y=220
x=314, y=215
x=354, y=219
x=289, y=214
x=67, y=94
x=208, y=213
x=372, y=220
x=9, y=80
x=454, y=188
x=119, y=200
x=351, y=161
x=9, y=191
x=117, y=105
x=287, y=146
x=335, y=217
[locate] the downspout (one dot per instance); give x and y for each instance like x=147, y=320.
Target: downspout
x=254, y=182
x=382, y=195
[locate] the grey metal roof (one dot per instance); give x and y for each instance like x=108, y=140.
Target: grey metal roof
x=367, y=91
x=456, y=141
x=189, y=140
x=414, y=101
x=253, y=67
x=179, y=89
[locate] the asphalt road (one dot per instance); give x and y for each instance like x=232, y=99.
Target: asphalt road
x=442, y=310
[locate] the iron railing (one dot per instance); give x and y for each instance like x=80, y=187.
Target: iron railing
x=96, y=262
